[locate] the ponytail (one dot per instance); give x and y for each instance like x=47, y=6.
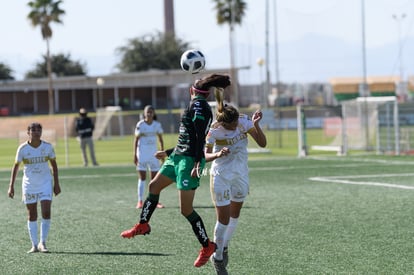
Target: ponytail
x=214, y=80
x=225, y=113
x=219, y=95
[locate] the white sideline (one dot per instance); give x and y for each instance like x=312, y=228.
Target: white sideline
x=344, y=180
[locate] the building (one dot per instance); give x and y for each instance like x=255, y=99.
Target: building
x=345, y=88
x=162, y=89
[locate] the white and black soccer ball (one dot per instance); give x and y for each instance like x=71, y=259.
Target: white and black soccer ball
x=192, y=61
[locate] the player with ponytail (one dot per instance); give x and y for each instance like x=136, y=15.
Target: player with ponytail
x=226, y=146
x=184, y=164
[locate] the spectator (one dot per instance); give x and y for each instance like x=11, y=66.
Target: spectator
x=84, y=129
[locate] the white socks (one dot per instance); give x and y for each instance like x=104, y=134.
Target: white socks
x=44, y=231
x=230, y=231
x=32, y=227
x=141, y=189
x=222, y=236
x=219, y=232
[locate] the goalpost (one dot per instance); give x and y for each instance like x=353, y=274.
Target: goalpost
x=103, y=119
x=369, y=123
x=364, y=124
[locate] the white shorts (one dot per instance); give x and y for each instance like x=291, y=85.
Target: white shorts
x=29, y=198
x=153, y=165
x=224, y=190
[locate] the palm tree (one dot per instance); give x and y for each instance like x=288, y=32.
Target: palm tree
x=231, y=12
x=44, y=12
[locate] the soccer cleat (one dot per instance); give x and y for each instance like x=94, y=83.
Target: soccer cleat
x=139, y=205
x=159, y=205
x=138, y=229
x=226, y=256
x=219, y=266
x=42, y=248
x=33, y=250
x=204, y=254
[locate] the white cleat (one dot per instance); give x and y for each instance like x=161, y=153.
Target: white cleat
x=42, y=248
x=33, y=250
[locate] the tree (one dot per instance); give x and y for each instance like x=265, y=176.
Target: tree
x=61, y=64
x=44, y=12
x=231, y=12
x=158, y=51
x=5, y=72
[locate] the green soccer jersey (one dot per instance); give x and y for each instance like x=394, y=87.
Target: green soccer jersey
x=194, y=125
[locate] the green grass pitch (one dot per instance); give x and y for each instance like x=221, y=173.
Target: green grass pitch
x=318, y=215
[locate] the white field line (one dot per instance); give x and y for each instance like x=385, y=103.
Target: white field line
x=19, y=177
x=99, y=176
x=366, y=160
x=345, y=180
x=265, y=168
x=304, y=167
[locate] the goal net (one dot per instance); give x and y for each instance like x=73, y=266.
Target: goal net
x=103, y=125
x=369, y=123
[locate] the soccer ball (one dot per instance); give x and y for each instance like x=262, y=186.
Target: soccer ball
x=192, y=61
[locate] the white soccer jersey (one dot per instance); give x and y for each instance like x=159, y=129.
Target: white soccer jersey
x=37, y=175
x=235, y=163
x=148, y=136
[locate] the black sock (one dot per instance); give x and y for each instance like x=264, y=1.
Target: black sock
x=198, y=228
x=148, y=207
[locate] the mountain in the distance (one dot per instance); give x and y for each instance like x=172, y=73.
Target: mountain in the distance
x=313, y=58
x=316, y=58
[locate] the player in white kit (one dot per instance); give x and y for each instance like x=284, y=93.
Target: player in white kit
x=37, y=183
x=147, y=131
x=226, y=146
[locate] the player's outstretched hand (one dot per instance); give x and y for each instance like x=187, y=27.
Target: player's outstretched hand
x=257, y=116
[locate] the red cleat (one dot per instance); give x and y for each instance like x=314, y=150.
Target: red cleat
x=159, y=205
x=205, y=254
x=138, y=229
x=139, y=205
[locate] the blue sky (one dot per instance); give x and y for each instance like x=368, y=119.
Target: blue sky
x=93, y=29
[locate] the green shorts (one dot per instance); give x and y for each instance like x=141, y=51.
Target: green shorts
x=178, y=168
